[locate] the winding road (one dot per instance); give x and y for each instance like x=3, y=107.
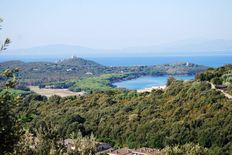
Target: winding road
x=226, y=94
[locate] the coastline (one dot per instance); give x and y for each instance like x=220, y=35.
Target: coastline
x=149, y=89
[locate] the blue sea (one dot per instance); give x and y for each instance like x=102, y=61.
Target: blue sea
x=148, y=81
x=211, y=61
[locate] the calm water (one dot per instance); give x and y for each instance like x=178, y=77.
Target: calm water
x=148, y=81
x=212, y=61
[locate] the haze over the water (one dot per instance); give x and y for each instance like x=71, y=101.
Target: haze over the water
x=120, y=24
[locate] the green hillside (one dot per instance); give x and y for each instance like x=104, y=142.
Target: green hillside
x=219, y=76
x=185, y=112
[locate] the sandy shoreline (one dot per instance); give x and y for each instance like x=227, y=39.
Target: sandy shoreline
x=149, y=89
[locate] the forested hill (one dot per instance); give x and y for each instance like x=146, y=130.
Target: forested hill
x=39, y=72
x=75, y=61
x=220, y=76
x=185, y=112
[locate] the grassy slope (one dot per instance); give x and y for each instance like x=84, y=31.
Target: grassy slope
x=95, y=83
x=98, y=83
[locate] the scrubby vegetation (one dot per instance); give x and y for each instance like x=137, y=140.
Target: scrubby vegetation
x=184, y=115
x=185, y=118
x=186, y=149
x=186, y=112
x=219, y=76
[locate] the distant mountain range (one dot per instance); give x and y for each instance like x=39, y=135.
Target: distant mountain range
x=193, y=47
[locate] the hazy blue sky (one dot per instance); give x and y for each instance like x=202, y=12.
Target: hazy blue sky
x=113, y=24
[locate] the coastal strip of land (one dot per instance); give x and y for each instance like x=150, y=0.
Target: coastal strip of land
x=149, y=89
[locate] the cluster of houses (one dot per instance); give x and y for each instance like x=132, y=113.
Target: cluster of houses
x=100, y=148
x=139, y=151
x=106, y=149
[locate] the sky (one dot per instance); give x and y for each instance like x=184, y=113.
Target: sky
x=113, y=24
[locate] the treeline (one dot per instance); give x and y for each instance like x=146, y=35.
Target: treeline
x=183, y=113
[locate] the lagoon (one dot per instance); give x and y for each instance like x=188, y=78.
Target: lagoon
x=149, y=81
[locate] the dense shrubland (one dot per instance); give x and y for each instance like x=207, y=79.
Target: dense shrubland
x=219, y=76
x=184, y=113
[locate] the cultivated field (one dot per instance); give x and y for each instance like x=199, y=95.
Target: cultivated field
x=59, y=92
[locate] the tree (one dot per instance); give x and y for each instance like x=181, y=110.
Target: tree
x=48, y=137
x=42, y=86
x=230, y=89
x=9, y=125
x=170, y=80
x=186, y=149
x=83, y=145
x=25, y=145
x=216, y=81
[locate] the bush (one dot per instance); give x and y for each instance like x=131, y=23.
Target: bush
x=216, y=81
x=54, y=99
x=186, y=149
x=75, y=89
x=170, y=80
